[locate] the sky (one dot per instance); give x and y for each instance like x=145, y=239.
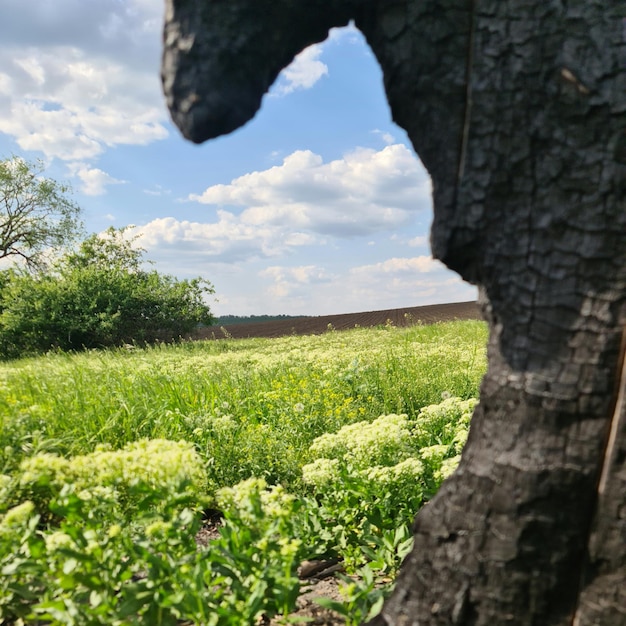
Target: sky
x=317, y=206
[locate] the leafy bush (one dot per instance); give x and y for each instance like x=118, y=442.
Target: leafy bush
x=97, y=296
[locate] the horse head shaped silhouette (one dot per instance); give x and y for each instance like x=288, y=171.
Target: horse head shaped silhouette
x=517, y=111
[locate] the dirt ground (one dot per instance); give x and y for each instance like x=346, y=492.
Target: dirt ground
x=321, y=324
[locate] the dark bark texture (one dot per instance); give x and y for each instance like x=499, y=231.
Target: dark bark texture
x=518, y=110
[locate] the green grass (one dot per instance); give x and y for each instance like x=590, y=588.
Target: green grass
x=320, y=446
x=251, y=407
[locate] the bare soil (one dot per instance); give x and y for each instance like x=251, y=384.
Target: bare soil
x=323, y=323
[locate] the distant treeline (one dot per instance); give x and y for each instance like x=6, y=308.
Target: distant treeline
x=227, y=320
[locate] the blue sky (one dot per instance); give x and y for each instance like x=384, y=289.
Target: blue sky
x=317, y=206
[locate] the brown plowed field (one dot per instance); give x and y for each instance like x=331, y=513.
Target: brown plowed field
x=320, y=324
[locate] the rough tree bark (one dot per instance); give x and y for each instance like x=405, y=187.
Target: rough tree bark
x=518, y=110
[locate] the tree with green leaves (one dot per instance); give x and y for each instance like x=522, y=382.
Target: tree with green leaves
x=96, y=296
x=36, y=214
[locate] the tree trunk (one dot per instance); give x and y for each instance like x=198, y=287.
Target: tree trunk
x=517, y=109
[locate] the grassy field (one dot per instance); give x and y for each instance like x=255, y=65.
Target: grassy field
x=109, y=458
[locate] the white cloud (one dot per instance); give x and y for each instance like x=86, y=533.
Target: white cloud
x=397, y=266
x=303, y=72
x=386, y=137
x=418, y=242
x=228, y=240
x=71, y=107
x=250, y=267
x=290, y=282
x=158, y=190
x=313, y=290
x=80, y=77
x=93, y=180
x=365, y=192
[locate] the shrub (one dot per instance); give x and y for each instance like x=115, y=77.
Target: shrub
x=97, y=296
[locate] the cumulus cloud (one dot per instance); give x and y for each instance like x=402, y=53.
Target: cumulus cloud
x=388, y=284
x=227, y=240
x=79, y=77
x=386, y=137
x=365, y=192
x=250, y=268
x=93, y=180
x=418, y=242
x=303, y=72
x=397, y=266
x=292, y=281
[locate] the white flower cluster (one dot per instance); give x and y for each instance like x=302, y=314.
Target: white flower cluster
x=447, y=468
x=385, y=441
x=392, y=450
x=252, y=498
x=382, y=452
x=449, y=420
x=6, y=483
x=408, y=471
x=321, y=472
x=16, y=517
x=157, y=464
x=58, y=540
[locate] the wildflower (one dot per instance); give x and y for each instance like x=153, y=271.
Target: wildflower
x=289, y=547
x=448, y=466
x=250, y=498
x=385, y=441
x=114, y=531
x=17, y=516
x=321, y=472
x=57, y=540
x=5, y=486
x=299, y=407
x=434, y=454
x=158, y=528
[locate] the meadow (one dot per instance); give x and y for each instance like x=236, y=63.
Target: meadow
x=308, y=447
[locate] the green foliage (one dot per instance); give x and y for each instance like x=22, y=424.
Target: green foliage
x=229, y=320
x=94, y=297
x=369, y=479
x=155, y=467
x=362, y=597
x=101, y=493
x=65, y=558
x=35, y=213
x=257, y=552
x=91, y=570
x=88, y=569
x=251, y=407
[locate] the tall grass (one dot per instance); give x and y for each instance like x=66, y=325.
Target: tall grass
x=104, y=530
x=251, y=407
